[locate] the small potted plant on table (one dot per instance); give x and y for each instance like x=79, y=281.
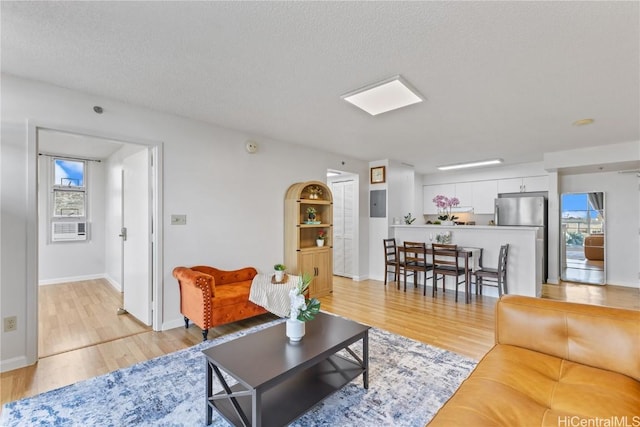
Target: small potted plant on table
x=279, y=271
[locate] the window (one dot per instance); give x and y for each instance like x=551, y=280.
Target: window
x=68, y=202
x=69, y=192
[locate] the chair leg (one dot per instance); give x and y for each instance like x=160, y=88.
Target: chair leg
x=186, y=322
x=205, y=332
x=386, y=274
x=424, y=286
x=434, y=289
x=456, y=289
x=405, y=281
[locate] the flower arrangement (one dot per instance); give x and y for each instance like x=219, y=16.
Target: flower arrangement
x=303, y=309
x=444, y=205
x=315, y=192
x=321, y=235
x=279, y=267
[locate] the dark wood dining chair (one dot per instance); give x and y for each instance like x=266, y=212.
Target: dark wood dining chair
x=495, y=276
x=392, y=263
x=446, y=263
x=415, y=261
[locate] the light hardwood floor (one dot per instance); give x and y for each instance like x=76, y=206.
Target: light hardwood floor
x=81, y=314
x=464, y=328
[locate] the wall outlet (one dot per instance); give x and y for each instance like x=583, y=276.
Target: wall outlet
x=178, y=220
x=10, y=323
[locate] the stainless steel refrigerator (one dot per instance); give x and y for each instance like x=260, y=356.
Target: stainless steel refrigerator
x=525, y=211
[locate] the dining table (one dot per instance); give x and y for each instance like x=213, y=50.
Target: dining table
x=471, y=258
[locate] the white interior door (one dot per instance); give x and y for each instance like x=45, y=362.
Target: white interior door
x=136, y=196
x=343, y=227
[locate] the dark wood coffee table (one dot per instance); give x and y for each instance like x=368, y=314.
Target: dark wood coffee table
x=279, y=381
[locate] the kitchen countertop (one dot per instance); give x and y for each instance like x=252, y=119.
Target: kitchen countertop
x=466, y=227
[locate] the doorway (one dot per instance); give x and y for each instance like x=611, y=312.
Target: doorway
x=582, y=240
x=101, y=226
x=344, y=187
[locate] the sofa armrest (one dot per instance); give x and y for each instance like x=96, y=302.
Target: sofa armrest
x=602, y=337
x=195, y=281
x=226, y=277
x=196, y=291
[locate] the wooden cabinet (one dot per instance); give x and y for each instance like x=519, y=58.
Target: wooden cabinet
x=317, y=263
x=301, y=252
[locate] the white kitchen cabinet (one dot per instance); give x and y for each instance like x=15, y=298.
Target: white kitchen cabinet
x=431, y=191
x=523, y=184
x=479, y=195
x=536, y=183
x=484, y=194
x=464, y=193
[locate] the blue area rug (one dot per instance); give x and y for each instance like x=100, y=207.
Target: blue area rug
x=408, y=382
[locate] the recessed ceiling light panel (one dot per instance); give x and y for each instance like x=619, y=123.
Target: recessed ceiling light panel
x=387, y=95
x=470, y=164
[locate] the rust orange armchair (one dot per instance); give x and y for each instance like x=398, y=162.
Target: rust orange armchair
x=210, y=297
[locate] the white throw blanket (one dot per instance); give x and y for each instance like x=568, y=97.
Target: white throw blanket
x=272, y=296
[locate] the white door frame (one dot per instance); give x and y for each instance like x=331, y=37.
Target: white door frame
x=31, y=322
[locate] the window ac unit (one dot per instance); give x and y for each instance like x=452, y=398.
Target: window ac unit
x=69, y=231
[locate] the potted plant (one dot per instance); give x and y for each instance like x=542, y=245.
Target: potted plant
x=279, y=271
x=444, y=205
x=302, y=309
x=322, y=235
x=311, y=214
x=408, y=219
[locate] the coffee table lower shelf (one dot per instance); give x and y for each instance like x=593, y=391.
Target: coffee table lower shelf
x=284, y=402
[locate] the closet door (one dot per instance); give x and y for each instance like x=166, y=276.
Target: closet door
x=344, y=225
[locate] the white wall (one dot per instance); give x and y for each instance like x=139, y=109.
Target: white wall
x=400, y=186
x=621, y=220
x=233, y=200
x=69, y=261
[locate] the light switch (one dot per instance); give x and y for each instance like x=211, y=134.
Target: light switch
x=178, y=220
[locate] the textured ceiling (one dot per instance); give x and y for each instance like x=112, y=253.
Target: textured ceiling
x=501, y=79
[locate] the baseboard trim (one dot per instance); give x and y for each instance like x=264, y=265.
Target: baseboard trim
x=113, y=282
x=13, y=363
x=70, y=279
x=172, y=324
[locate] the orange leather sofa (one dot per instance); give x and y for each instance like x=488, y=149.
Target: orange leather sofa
x=554, y=364
x=594, y=247
x=210, y=297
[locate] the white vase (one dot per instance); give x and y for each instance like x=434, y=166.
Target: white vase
x=320, y=242
x=447, y=223
x=279, y=275
x=295, y=330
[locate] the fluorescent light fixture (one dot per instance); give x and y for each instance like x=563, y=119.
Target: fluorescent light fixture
x=387, y=95
x=470, y=164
